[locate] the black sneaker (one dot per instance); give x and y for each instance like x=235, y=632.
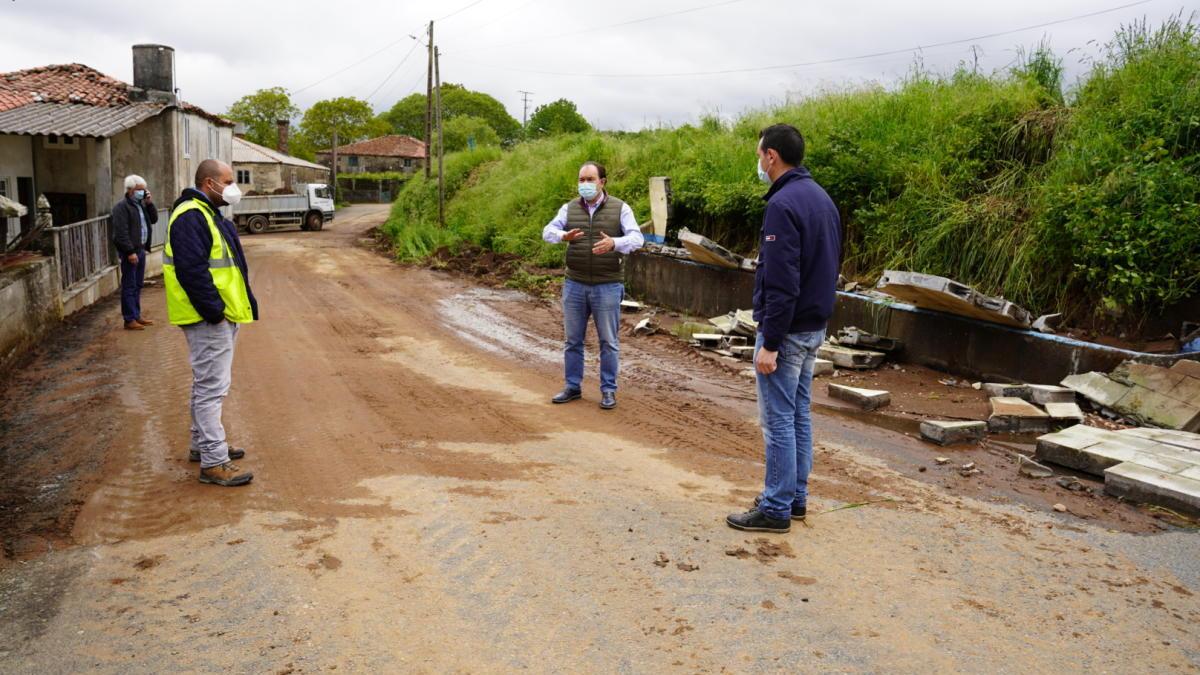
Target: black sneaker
x=797, y=513
x=567, y=395
x=234, y=453
x=757, y=521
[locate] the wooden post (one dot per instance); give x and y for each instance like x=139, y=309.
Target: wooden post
x=441, y=183
x=429, y=104
x=334, y=187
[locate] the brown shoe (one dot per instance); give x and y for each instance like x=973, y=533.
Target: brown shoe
x=134, y=325
x=145, y=322
x=225, y=475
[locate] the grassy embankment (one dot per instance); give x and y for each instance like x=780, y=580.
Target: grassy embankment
x=1088, y=204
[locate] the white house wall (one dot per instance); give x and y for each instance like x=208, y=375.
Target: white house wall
x=16, y=160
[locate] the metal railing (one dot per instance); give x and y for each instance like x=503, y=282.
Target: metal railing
x=83, y=249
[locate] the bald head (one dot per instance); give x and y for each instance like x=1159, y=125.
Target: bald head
x=210, y=168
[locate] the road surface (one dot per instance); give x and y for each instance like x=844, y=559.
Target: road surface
x=419, y=506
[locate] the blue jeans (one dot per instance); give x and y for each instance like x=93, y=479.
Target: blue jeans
x=784, y=397
x=132, y=277
x=603, y=303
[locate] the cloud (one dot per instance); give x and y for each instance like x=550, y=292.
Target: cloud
x=226, y=49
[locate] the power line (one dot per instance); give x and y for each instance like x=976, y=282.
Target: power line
x=498, y=17
x=389, y=75
x=605, y=27
x=364, y=59
x=806, y=64
x=460, y=10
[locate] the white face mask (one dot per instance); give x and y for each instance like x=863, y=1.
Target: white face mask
x=231, y=195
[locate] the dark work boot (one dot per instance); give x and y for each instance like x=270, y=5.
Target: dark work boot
x=798, y=513
x=608, y=400
x=567, y=395
x=757, y=521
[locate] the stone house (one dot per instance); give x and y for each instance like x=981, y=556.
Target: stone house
x=385, y=153
x=73, y=134
x=261, y=170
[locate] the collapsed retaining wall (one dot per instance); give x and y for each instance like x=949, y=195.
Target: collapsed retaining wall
x=953, y=344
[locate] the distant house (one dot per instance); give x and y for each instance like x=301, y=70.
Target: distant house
x=386, y=153
x=73, y=134
x=261, y=170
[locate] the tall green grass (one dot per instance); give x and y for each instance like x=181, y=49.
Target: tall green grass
x=1088, y=200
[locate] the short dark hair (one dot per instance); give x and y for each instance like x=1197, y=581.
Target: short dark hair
x=786, y=140
x=599, y=168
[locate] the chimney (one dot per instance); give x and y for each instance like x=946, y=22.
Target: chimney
x=154, y=71
x=239, y=130
x=283, y=135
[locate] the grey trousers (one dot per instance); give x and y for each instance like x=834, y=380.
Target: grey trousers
x=211, y=350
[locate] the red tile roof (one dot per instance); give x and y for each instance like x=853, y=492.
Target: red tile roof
x=70, y=83
x=74, y=83
x=384, y=146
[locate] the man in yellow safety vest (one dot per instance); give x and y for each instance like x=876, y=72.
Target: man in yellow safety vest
x=208, y=295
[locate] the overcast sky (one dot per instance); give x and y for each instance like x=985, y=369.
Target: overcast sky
x=620, y=76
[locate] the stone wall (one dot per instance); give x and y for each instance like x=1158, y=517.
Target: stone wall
x=29, y=306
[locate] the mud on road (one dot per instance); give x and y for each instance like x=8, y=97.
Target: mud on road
x=418, y=505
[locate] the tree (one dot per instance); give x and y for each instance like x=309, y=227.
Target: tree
x=558, y=117
x=352, y=117
x=459, y=131
x=260, y=111
x=407, y=116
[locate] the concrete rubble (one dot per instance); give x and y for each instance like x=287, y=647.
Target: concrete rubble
x=946, y=295
x=855, y=337
x=1145, y=465
x=1157, y=396
x=1065, y=412
x=847, y=357
x=864, y=399
x=647, y=326
x=706, y=251
x=947, y=432
x=822, y=367
x=1015, y=415
x=631, y=306
x=1007, y=390
x=1041, y=393
x=1031, y=469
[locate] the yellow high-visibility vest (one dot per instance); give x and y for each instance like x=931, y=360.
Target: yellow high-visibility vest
x=226, y=275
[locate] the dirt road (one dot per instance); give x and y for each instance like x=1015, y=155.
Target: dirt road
x=419, y=506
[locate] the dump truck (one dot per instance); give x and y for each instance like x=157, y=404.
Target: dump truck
x=310, y=209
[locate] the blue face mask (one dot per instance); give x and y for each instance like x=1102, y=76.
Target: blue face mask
x=762, y=175
x=139, y=195
x=587, y=191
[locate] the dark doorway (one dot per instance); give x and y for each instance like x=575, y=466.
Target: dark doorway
x=25, y=196
x=67, y=207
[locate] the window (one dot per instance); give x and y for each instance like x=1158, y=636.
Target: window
x=353, y=160
x=187, y=137
x=408, y=162
x=56, y=142
x=243, y=176
x=322, y=193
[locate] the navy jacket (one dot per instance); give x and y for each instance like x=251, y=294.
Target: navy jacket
x=800, y=253
x=191, y=244
x=127, y=227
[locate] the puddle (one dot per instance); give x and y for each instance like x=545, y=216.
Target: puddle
x=485, y=327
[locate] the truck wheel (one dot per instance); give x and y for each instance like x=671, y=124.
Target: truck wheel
x=257, y=224
x=314, y=222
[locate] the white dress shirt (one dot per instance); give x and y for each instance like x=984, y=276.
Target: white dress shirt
x=631, y=241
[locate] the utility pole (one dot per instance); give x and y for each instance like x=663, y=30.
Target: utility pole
x=437, y=75
x=335, y=147
x=525, y=97
x=429, y=103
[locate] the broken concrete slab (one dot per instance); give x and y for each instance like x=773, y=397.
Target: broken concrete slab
x=845, y=357
x=856, y=337
x=1159, y=409
x=1154, y=378
x=706, y=251
x=1094, y=450
x=631, y=306
x=1014, y=415
x=723, y=323
x=946, y=295
x=1180, y=439
x=946, y=432
x=1142, y=484
x=1044, y=394
x=1065, y=412
x=1186, y=367
x=1096, y=387
x=1006, y=390
x=709, y=340
x=822, y=367
x=646, y=326
x=865, y=399
x=744, y=323
x=743, y=352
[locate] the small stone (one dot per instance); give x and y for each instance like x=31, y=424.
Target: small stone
x=1031, y=469
x=1061, y=508
x=1070, y=483
x=968, y=466
x=921, y=469
x=942, y=460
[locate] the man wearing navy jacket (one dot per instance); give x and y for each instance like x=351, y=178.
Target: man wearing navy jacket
x=800, y=252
